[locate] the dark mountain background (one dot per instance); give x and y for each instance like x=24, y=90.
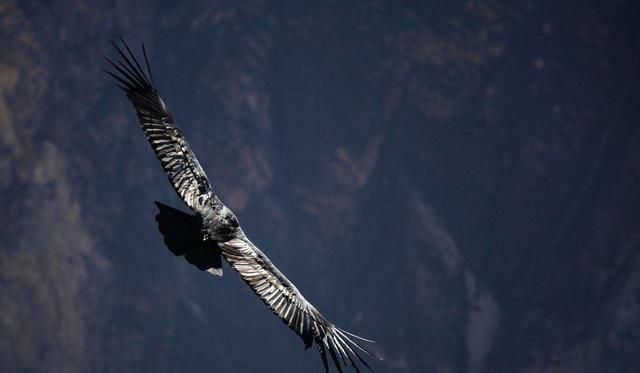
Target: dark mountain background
x=456, y=180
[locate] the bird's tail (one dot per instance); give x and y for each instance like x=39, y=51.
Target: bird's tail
x=182, y=235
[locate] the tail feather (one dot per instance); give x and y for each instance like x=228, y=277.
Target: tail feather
x=182, y=236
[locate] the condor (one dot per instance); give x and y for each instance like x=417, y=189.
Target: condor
x=214, y=231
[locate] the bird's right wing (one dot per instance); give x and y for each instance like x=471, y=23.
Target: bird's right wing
x=166, y=139
x=282, y=297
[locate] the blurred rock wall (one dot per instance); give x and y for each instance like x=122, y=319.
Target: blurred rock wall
x=456, y=180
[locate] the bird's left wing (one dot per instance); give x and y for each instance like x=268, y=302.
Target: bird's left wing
x=282, y=297
x=166, y=139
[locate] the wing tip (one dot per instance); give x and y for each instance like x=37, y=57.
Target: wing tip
x=338, y=344
x=129, y=71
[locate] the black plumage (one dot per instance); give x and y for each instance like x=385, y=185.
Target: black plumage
x=214, y=230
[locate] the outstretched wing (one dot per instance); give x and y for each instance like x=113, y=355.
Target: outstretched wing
x=192, y=185
x=282, y=297
x=166, y=139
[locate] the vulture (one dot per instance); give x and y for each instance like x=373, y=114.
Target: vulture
x=213, y=231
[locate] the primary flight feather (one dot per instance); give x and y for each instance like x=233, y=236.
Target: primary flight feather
x=214, y=230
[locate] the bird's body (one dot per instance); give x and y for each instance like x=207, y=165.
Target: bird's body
x=214, y=230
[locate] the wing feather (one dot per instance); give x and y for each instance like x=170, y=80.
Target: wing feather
x=169, y=145
x=190, y=182
x=286, y=302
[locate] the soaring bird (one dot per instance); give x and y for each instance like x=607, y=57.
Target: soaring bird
x=213, y=230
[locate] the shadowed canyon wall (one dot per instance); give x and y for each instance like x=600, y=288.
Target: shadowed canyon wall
x=456, y=180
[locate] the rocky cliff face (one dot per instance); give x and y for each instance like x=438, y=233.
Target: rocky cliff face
x=457, y=181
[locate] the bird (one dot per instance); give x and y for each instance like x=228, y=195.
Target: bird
x=213, y=231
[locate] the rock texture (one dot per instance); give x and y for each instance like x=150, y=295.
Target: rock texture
x=456, y=180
